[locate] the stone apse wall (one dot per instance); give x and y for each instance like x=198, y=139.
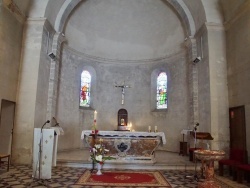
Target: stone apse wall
x=107, y=98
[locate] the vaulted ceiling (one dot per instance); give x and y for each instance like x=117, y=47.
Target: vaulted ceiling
x=126, y=30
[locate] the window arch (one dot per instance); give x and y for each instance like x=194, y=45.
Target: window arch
x=85, y=89
x=161, y=93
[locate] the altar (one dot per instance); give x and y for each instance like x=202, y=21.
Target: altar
x=128, y=147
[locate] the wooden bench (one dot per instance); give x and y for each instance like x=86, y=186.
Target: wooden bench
x=2, y=156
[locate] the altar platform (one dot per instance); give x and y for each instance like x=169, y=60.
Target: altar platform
x=164, y=160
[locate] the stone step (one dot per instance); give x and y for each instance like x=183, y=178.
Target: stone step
x=108, y=165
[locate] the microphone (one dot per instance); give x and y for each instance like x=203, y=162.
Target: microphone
x=48, y=121
x=197, y=124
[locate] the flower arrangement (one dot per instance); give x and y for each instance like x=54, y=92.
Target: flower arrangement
x=98, y=153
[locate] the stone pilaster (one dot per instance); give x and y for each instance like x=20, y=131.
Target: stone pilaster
x=58, y=39
x=193, y=81
x=218, y=85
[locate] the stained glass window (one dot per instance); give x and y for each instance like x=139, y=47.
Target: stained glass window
x=162, y=96
x=85, y=89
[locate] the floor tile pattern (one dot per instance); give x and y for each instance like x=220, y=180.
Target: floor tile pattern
x=20, y=176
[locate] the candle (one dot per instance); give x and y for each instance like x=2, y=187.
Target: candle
x=156, y=129
x=129, y=126
x=149, y=128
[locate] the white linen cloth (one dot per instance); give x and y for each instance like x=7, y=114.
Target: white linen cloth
x=126, y=134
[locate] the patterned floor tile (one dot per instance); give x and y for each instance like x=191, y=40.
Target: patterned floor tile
x=21, y=176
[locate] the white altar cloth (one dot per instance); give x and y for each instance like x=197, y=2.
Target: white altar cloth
x=126, y=134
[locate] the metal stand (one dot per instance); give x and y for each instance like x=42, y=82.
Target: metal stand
x=195, y=176
x=92, y=145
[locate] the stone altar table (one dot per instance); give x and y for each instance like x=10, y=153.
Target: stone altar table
x=128, y=147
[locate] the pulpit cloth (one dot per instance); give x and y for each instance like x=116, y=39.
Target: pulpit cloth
x=126, y=134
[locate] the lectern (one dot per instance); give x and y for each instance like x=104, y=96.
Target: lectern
x=44, y=155
x=200, y=136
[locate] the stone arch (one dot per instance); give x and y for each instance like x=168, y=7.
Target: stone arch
x=67, y=7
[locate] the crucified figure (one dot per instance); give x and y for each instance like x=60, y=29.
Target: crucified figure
x=123, y=90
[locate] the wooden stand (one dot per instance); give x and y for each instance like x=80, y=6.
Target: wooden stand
x=199, y=136
x=183, y=148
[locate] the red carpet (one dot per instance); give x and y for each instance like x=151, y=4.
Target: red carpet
x=124, y=178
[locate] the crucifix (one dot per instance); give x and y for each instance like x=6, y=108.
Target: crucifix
x=123, y=90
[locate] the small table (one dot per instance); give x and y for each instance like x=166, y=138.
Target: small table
x=2, y=156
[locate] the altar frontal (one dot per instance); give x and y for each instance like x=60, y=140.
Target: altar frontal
x=128, y=147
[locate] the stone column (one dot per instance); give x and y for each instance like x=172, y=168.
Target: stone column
x=27, y=92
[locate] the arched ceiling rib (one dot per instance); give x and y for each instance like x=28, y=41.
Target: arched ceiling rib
x=64, y=12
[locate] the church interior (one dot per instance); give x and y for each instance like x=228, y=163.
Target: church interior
x=153, y=80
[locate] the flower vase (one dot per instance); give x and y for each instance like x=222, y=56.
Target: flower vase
x=99, y=167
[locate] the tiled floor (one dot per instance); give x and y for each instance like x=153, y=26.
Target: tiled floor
x=21, y=177
x=178, y=170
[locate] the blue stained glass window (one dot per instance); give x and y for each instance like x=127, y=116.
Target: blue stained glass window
x=85, y=89
x=162, y=96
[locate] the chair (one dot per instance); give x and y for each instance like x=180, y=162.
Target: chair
x=236, y=157
x=2, y=156
x=243, y=169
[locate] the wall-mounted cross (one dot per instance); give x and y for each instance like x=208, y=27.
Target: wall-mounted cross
x=123, y=90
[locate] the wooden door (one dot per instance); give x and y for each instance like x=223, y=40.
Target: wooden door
x=237, y=127
x=7, y=115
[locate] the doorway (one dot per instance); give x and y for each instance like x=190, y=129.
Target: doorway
x=237, y=127
x=7, y=115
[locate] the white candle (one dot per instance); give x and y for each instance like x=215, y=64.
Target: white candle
x=155, y=128
x=149, y=128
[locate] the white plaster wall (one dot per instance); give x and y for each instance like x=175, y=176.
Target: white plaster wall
x=24, y=5
x=230, y=8
x=10, y=51
x=107, y=98
x=238, y=40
